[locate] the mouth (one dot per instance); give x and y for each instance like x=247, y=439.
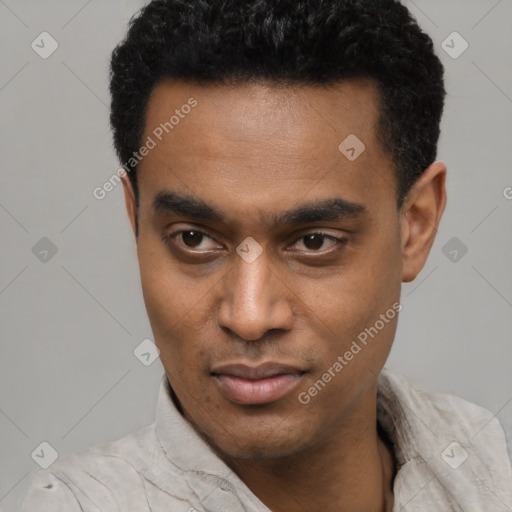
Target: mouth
x=262, y=384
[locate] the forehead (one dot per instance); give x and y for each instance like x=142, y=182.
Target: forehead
x=261, y=141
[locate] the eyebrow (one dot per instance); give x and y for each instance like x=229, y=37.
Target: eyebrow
x=332, y=209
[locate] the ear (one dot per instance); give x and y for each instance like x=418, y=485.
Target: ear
x=130, y=201
x=420, y=217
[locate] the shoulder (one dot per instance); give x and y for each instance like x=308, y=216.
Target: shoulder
x=442, y=412
x=88, y=478
x=47, y=492
x=437, y=436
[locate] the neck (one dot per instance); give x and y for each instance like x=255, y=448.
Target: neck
x=352, y=471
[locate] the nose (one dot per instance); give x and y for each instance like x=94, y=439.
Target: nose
x=255, y=300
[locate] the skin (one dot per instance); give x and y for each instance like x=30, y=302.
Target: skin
x=253, y=151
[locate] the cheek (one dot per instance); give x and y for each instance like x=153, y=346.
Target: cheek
x=168, y=294
x=377, y=272
x=359, y=295
x=179, y=311
x=160, y=288
x=165, y=296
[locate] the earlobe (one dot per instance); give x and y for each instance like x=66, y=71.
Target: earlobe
x=420, y=218
x=130, y=202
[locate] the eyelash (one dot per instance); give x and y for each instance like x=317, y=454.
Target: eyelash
x=169, y=239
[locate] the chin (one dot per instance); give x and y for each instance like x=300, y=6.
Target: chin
x=264, y=432
x=272, y=442
x=258, y=450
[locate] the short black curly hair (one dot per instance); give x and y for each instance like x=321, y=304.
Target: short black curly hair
x=288, y=42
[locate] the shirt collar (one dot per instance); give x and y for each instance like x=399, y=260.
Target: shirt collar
x=181, y=443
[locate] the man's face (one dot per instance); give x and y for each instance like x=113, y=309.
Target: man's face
x=244, y=335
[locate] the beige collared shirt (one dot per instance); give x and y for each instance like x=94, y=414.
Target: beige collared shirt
x=451, y=454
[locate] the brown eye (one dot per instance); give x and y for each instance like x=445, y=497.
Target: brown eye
x=192, y=238
x=313, y=242
x=316, y=241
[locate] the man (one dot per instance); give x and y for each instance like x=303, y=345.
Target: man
x=281, y=182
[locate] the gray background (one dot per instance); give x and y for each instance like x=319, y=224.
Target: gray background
x=69, y=325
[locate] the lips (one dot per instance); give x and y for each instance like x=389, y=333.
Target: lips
x=262, y=384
